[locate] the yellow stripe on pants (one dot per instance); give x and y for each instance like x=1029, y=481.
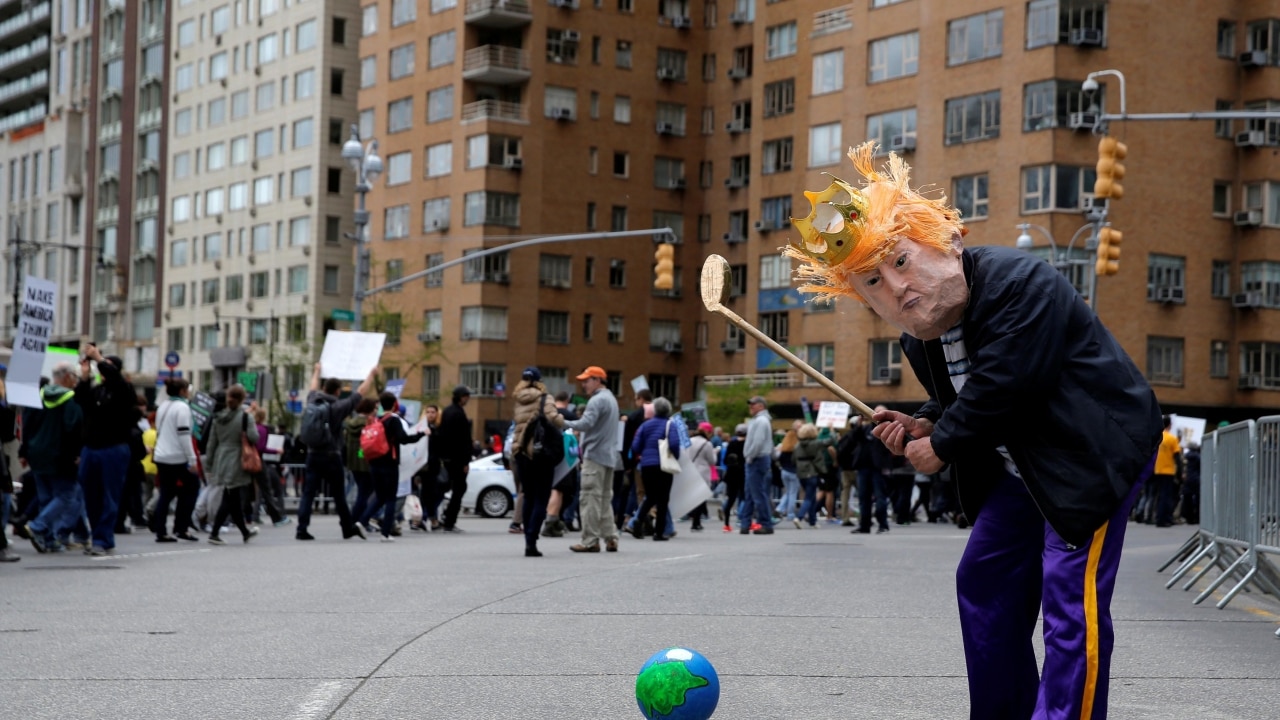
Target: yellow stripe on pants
x=1091, y=622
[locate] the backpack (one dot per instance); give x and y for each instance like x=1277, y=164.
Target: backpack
x=546, y=444
x=373, y=440
x=315, y=433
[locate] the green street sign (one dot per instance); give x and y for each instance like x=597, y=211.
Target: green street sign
x=250, y=382
x=343, y=315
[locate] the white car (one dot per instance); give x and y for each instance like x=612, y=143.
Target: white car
x=491, y=488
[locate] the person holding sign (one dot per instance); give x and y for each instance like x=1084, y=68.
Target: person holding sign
x=322, y=433
x=111, y=413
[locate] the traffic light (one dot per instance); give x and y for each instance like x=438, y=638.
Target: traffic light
x=1110, y=170
x=1109, y=251
x=664, y=258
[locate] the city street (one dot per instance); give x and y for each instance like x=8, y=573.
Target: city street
x=813, y=623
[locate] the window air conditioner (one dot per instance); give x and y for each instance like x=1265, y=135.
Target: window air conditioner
x=666, y=73
x=427, y=337
x=1247, y=300
x=764, y=226
x=784, y=166
x=440, y=224
x=889, y=374
x=672, y=347
x=563, y=113
x=666, y=128
x=500, y=277
x=1082, y=120
x=734, y=127
x=572, y=36
x=512, y=162
x=733, y=238
x=903, y=143
x=566, y=4
x=1169, y=294
x=733, y=183
x=682, y=23
x=1248, y=218
x=1253, y=58
x=1251, y=381
x=738, y=18
x=737, y=73
x=1085, y=37
x=468, y=335
x=676, y=184
x=730, y=346
x=1251, y=138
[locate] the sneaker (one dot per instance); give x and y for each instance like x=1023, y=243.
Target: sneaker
x=882, y=531
x=95, y=550
x=252, y=532
x=763, y=531
x=283, y=521
x=388, y=539
x=451, y=529
x=215, y=540
x=515, y=529
x=797, y=523
x=532, y=552
x=187, y=536
x=166, y=539
x=73, y=545
x=611, y=546
x=357, y=532
x=303, y=535
x=20, y=530
x=756, y=526
x=744, y=531
x=6, y=556
x=417, y=527
x=37, y=540
x=727, y=528
x=580, y=548
x=720, y=514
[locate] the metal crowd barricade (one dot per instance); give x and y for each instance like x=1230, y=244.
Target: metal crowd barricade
x=1240, y=512
x=298, y=471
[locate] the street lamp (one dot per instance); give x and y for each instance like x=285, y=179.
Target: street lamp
x=1062, y=260
x=364, y=160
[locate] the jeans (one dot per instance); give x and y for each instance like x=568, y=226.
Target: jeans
x=657, y=485
x=457, y=470
x=871, y=484
x=756, y=501
x=175, y=482
x=6, y=500
x=385, y=482
x=790, y=494
x=61, y=511
x=535, y=483
x=809, y=510
x=102, y=473
x=325, y=468
x=364, y=491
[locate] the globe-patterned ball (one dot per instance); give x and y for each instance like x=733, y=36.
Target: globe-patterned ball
x=677, y=684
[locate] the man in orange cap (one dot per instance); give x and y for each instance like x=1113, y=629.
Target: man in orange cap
x=598, y=442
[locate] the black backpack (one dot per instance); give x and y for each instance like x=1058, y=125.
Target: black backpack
x=315, y=432
x=545, y=440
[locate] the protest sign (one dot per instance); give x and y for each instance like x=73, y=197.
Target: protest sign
x=35, y=327
x=350, y=355
x=833, y=415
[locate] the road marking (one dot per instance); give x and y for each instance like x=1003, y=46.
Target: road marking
x=98, y=558
x=673, y=559
x=317, y=701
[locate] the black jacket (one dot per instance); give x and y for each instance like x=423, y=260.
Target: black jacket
x=1047, y=381
x=455, y=435
x=110, y=408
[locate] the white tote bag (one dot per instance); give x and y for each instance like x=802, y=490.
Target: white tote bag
x=668, y=462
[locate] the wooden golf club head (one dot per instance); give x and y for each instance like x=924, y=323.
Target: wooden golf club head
x=717, y=281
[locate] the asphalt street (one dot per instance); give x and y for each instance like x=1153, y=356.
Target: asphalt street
x=813, y=623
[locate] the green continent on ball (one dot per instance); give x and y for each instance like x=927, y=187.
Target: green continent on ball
x=662, y=686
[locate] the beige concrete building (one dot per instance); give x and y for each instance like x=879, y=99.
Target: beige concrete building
x=262, y=97
x=509, y=118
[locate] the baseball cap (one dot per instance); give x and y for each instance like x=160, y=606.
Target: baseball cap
x=757, y=399
x=706, y=427
x=532, y=374
x=594, y=371
x=741, y=429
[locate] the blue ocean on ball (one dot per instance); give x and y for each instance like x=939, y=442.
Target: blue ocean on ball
x=677, y=684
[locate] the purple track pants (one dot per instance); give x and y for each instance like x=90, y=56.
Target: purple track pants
x=1015, y=567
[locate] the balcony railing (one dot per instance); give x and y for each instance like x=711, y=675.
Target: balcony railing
x=826, y=22
x=496, y=64
x=150, y=119
x=107, y=215
x=24, y=19
x=147, y=205
x=34, y=81
x=498, y=13
x=109, y=132
x=494, y=110
x=142, y=293
x=37, y=48
x=23, y=118
x=777, y=380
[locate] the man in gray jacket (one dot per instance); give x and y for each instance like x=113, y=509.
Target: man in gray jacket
x=598, y=444
x=758, y=453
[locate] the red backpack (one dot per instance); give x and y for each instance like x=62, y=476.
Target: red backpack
x=373, y=440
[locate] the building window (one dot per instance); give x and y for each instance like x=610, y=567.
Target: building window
x=621, y=109
x=673, y=64
x=1260, y=365
x=1262, y=278
x=399, y=168
x=1166, y=278
x=1220, y=279
x=399, y=115
x=823, y=359
x=396, y=222
x=491, y=208
x=973, y=117
x=178, y=295
x=210, y=291
x=589, y=271
x=1219, y=359
x=622, y=55
x=395, y=271
x=976, y=37
x=780, y=41
x=440, y=104
x=432, y=325
x=484, y=323
x=673, y=117
x=332, y=278
x=824, y=145
x=892, y=129
x=668, y=173
x=617, y=218
x=775, y=212
x=779, y=97
x=441, y=49
x=401, y=61
x=489, y=268
x=555, y=271
x=1050, y=22
x=403, y=11
x=970, y=193
x=482, y=378
x=553, y=327
x=297, y=279
x=258, y=284
x=1164, y=360
x=1057, y=187
x=1223, y=128
x=368, y=72
x=1264, y=36
x=435, y=214
x=1227, y=39
x=776, y=156
x=209, y=335
x=738, y=223
x=893, y=57
x=776, y=325
x=435, y=279
x=616, y=332
x=368, y=20
x=431, y=380
x=1222, y=198
x=618, y=274
x=885, y=364
x=560, y=102
x=737, y=281
x=664, y=334
x=1049, y=104
x=672, y=221
x=828, y=72
x=775, y=272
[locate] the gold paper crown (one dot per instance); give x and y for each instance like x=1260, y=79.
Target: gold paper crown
x=837, y=219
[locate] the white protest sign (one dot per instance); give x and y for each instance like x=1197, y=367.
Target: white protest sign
x=35, y=327
x=639, y=383
x=412, y=457
x=350, y=355
x=1188, y=430
x=833, y=414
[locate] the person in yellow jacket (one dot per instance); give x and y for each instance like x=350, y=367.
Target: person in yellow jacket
x=1164, y=481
